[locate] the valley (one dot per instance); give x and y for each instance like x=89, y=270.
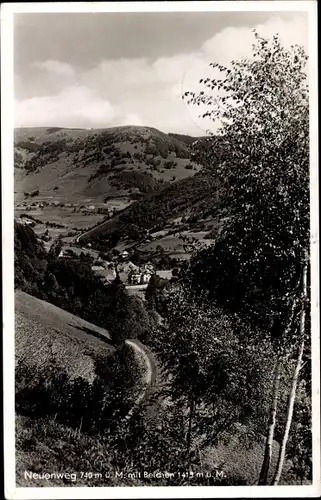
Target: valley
x=138, y=329
x=82, y=186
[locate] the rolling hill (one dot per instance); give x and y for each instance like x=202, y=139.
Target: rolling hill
x=68, y=377
x=146, y=177
x=191, y=204
x=77, y=164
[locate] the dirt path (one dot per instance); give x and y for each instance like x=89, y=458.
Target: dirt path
x=150, y=373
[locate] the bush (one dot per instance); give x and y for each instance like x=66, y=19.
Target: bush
x=49, y=391
x=170, y=164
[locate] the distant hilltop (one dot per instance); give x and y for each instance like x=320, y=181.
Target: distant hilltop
x=71, y=163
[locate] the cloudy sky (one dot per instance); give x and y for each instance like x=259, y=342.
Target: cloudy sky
x=105, y=69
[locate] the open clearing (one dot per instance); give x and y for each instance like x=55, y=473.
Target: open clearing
x=64, y=216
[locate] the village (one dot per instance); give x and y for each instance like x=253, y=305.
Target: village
x=135, y=277
x=82, y=208
x=130, y=274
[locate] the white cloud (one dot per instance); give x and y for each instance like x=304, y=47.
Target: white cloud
x=73, y=106
x=233, y=43
x=142, y=91
x=55, y=67
x=132, y=119
x=172, y=69
x=121, y=72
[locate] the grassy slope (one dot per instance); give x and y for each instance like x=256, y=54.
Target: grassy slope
x=42, y=331
x=239, y=460
x=46, y=446
x=71, y=172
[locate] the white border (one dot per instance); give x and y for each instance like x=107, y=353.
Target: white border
x=7, y=100
x=169, y=6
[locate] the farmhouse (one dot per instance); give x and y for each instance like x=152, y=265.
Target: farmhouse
x=149, y=268
x=25, y=221
x=135, y=278
x=124, y=255
x=139, y=277
x=97, y=268
x=128, y=267
x=145, y=277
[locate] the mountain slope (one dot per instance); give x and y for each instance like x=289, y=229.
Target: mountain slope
x=71, y=164
x=69, y=380
x=44, y=331
x=192, y=199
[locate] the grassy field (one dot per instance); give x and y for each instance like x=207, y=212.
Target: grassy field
x=64, y=216
x=174, y=242
x=238, y=459
x=43, y=332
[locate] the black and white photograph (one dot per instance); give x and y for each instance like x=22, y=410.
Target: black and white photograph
x=160, y=242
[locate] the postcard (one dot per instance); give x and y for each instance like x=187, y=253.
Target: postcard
x=160, y=249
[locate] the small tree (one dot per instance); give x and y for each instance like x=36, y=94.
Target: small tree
x=55, y=248
x=214, y=377
x=119, y=319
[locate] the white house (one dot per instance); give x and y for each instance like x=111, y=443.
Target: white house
x=129, y=267
x=149, y=267
x=97, y=268
x=145, y=277
x=125, y=254
x=139, y=278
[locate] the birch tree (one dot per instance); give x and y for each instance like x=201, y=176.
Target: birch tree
x=261, y=151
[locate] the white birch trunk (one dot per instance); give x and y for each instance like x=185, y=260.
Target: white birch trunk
x=291, y=399
x=273, y=409
x=271, y=425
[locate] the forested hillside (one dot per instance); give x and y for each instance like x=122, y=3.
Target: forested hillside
x=196, y=198
x=73, y=286
x=70, y=163
x=206, y=266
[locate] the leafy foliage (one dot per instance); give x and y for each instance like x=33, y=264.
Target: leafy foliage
x=261, y=106
x=95, y=407
x=262, y=152
x=214, y=371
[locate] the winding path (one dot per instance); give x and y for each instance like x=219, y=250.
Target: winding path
x=139, y=348
x=150, y=373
